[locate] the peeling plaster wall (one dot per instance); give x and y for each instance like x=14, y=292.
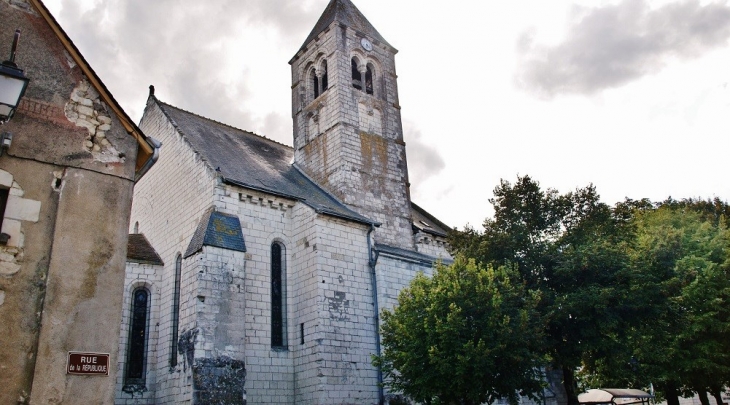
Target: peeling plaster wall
x=62, y=270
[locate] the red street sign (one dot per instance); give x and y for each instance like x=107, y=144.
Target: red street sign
x=88, y=363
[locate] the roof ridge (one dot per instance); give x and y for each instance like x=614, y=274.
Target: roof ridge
x=264, y=137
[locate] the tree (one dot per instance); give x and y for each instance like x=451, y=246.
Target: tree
x=468, y=335
x=574, y=251
x=681, y=274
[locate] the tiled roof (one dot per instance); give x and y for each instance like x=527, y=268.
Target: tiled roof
x=139, y=250
x=410, y=255
x=219, y=230
x=254, y=162
x=425, y=222
x=344, y=12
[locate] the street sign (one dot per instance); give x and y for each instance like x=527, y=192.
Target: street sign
x=87, y=363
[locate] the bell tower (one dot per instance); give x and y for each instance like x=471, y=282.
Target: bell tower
x=348, y=135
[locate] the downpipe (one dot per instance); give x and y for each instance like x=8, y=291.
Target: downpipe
x=372, y=261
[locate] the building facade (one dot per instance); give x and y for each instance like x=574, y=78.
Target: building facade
x=256, y=270
x=66, y=183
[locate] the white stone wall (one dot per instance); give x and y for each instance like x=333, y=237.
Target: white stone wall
x=351, y=142
x=433, y=246
x=147, y=276
x=168, y=204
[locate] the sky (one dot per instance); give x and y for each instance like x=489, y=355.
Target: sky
x=631, y=96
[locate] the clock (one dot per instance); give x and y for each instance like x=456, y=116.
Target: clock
x=366, y=45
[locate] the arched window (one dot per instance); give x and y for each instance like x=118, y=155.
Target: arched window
x=315, y=83
x=369, y=79
x=278, y=297
x=136, y=227
x=356, y=76
x=175, y=322
x=320, y=82
x=325, y=84
x=136, y=364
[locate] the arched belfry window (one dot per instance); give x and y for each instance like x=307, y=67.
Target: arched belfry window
x=369, y=79
x=136, y=364
x=362, y=80
x=278, y=296
x=175, y=319
x=320, y=82
x=356, y=76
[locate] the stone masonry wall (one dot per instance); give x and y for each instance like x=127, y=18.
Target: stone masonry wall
x=146, y=276
x=349, y=141
x=265, y=219
x=168, y=204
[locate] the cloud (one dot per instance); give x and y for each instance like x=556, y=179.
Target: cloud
x=424, y=161
x=197, y=54
x=610, y=46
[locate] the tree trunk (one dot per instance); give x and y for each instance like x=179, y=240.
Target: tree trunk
x=571, y=387
x=702, y=393
x=717, y=393
x=670, y=391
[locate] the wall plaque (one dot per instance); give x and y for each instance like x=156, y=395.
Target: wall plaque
x=88, y=363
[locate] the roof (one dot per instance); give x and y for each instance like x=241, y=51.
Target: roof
x=139, y=250
x=251, y=161
x=344, y=12
x=410, y=255
x=148, y=149
x=620, y=396
x=219, y=230
x=425, y=222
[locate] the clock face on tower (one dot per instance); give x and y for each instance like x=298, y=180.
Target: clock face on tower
x=366, y=45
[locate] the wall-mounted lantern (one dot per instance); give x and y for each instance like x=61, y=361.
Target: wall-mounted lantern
x=12, y=84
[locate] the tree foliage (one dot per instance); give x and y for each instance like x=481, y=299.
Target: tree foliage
x=631, y=294
x=468, y=335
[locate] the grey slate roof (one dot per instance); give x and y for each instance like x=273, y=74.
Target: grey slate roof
x=344, y=12
x=425, y=222
x=252, y=161
x=219, y=230
x=409, y=255
x=139, y=250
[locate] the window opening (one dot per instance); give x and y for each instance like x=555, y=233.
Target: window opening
x=278, y=321
x=315, y=83
x=4, y=194
x=356, y=76
x=369, y=80
x=301, y=333
x=325, y=84
x=175, y=311
x=137, y=343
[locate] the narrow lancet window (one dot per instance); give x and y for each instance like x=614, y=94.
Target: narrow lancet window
x=278, y=298
x=136, y=366
x=315, y=83
x=175, y=311
x=325, y=83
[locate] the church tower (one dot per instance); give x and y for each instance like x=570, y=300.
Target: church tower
x=348, y=134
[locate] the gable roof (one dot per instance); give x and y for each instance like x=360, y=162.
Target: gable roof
x=148, y=149
x=344, y=12
x=425, y=222
x=251, y=161
x=140, y=250
x=219, y=230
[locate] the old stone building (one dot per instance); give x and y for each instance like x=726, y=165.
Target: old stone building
x=256, y=271
x=66, y=183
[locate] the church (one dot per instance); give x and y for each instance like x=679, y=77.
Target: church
x=256, y=271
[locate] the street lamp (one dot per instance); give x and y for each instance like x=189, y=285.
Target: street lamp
x=12, y=84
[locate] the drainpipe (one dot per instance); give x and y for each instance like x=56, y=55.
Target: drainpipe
x=372, y=260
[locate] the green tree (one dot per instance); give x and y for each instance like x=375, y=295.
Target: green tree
x=468, y=335
x=574, y=250
x=681, y=278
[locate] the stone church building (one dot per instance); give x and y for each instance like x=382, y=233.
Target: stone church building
x=256, y=271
